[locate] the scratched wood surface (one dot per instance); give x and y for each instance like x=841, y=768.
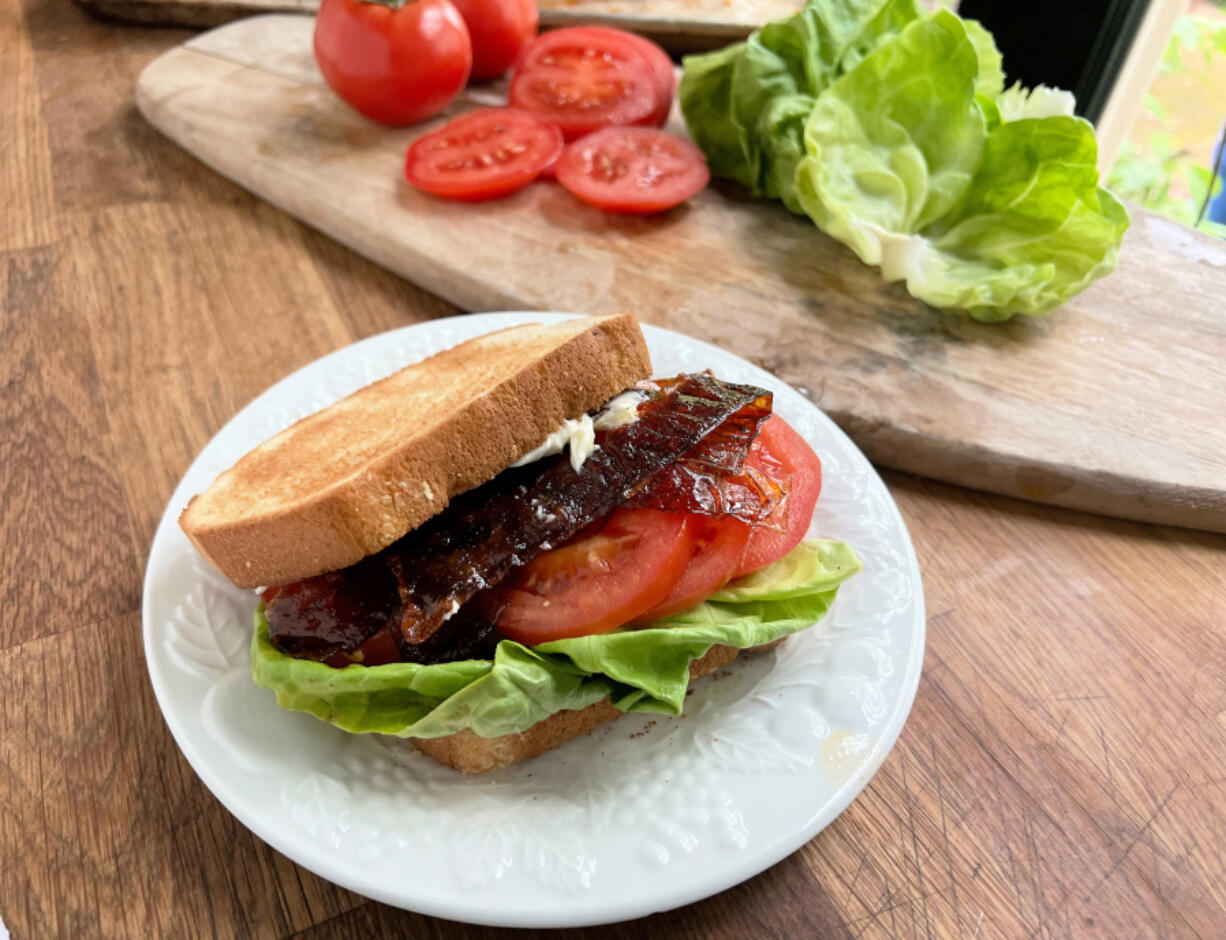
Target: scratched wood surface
x=1061, y=773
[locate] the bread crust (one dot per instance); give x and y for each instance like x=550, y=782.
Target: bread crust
x=472, y=754
x=349, y=480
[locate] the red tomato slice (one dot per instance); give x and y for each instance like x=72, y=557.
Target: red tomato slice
x=594, y=584
x=665, y=76
x=782, y=454
x=582, y=79
x=718, y=547
x=633, y=169
x=661, y=70
x=482, y=155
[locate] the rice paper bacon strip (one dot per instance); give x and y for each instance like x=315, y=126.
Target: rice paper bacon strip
x=726, y=447
x=478, y=540
x=711, y=478
x=695, y=429
x=749, y=496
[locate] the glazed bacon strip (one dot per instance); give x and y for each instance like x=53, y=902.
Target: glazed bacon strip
x=339, y=610
x=474, y=546
x=750, y=496
x=711, y=478
x=685, y=453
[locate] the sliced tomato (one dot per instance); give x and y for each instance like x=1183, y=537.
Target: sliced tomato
x=719, y=545
x=485, y=154
x=662, y=71
x=550, y=172
x=585, y=78
x=782, y=454
x=633, y=170
x=666, y=79
x=594, y=584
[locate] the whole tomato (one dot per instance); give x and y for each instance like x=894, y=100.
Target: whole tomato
x=396, y=63
x=499, y=30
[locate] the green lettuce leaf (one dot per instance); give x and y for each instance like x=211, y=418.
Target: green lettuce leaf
x=924, y=178
x=990, y=81
x=815, y=564
x=1033, y=229
x=894, y=143
x=746, y=105
x=894, y=132
x=640, y=670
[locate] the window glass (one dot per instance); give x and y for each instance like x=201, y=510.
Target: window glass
x=1171, y=159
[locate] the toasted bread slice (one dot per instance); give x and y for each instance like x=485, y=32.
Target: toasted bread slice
x=348, y=481
x=473, y=754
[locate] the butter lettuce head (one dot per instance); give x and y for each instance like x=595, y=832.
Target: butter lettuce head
x=995, y=217
x=893, y=131
x=1033, y=228
x=644, y=670
x=990, y=77
x=746, y=105
x=894, y=144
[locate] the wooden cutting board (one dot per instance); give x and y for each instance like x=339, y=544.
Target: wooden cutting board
x=679, y=25
x=1114, y=404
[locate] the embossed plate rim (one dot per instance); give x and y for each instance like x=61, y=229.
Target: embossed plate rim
x=340, y=840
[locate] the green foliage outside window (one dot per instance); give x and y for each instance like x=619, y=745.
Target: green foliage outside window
x=1160, y=174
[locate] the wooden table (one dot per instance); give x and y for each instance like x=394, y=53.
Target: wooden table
x=1063, y=771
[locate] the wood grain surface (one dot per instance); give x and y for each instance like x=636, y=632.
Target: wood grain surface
x=1060, y=775
x=1114, y=404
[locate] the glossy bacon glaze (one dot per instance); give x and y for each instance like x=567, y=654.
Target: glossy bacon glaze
x=477, y=541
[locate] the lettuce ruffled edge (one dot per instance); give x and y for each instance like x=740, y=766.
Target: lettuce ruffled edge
x=645, y=670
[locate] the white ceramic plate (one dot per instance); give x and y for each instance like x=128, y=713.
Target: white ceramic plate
x=644, y=815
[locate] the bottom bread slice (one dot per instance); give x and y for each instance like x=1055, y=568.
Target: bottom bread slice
x=474, y=754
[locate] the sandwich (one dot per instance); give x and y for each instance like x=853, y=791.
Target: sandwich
x=511, y=542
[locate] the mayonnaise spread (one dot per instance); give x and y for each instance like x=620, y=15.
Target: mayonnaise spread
x=579, y=434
